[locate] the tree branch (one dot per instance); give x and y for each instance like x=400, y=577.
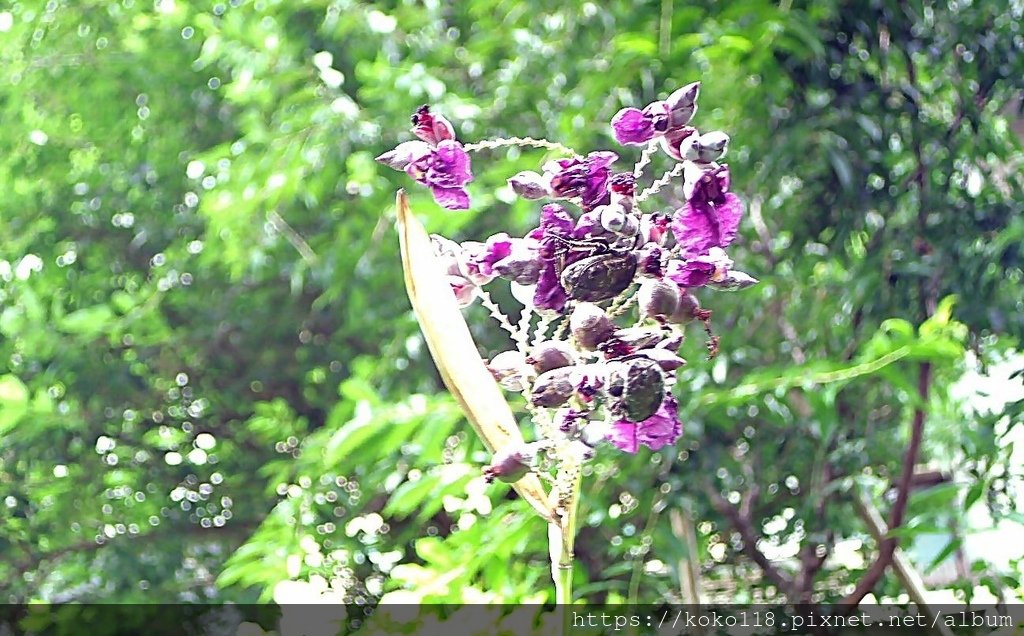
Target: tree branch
x=889, y=544
x=742, y=520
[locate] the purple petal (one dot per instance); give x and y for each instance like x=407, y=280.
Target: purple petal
x=497, y=247
x=730, y=211
x=662, y=428
x=693, y=273
x=454, y=162
x=623, y=435
x=695, y=227
x=632, y=127
x=553, y=220
x=451, y=198
x=601, y=159
x=698, y=226
x=549, y=293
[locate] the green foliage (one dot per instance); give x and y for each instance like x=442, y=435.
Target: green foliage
x=212, y=381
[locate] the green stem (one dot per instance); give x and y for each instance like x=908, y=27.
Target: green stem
x=562, y=535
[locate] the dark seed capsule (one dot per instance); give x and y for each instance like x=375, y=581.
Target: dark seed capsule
x=600, y=277
x=640, y=388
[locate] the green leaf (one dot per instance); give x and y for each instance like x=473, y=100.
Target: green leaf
x=88, y=322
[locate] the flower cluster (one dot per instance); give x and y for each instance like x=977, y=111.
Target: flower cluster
x=590, y=374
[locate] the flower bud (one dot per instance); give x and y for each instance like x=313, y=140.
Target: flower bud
x=553, y=388
x=687, y=309
x=430, y=127
x=654, y=228
x=682, y=105
x=465, y=290
x=522, y=265
x=404, y=154
x=510, y=464
x=650, y=261
x=509, y=369
x=667, y=360
x=613, y=217
x=469, y=257
x=711, y=146
x=733, y=281
x=530, y=185
x=689, y=148
x=552, y=354
x=590, y=325
x=674, y=138
x=657, y=299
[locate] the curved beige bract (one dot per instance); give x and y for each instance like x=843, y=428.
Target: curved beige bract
x=455, y=352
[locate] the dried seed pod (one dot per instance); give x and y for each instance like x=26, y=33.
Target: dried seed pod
x=590, y=325
x=553, y=388
x=551, y=354
x=509, y=369
x=600, y=277
x=511, y=463
x=687, y=309
x=658, y=299
x=638, y=337
x=672, y=343
x=666, y=359
x=639, y=385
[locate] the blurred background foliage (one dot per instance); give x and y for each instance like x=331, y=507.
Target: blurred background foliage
x=213, y=387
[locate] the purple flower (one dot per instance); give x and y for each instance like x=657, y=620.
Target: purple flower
x=635, y=127
x=445, y=169
x=430, y=127
x=711, y=216
x=655, y=432
x=585, y=179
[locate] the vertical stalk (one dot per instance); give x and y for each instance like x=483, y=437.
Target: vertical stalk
x=562, y=534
